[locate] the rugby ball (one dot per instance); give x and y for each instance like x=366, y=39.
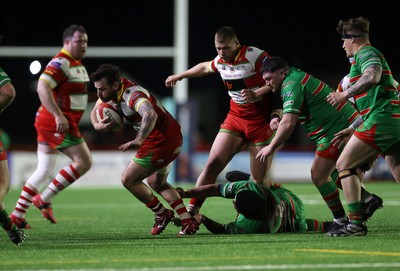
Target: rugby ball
x=106, y=110
x=344, y=84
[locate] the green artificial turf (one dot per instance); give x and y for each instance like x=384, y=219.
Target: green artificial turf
x=108, y=229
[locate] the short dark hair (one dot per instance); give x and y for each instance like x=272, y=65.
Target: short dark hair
x=110, y=72
x=226, y=33
x=70, y=30
x=249, y=204
x=274, y=63
x=358, y=26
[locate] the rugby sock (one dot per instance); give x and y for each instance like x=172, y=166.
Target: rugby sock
x=195, y=205
x=63, y=179
x=180, y=209
x=336, y=179
x=330, y=194
x=6, y=222
x=315, y=225
x=156, y=206
x=24, y=201
x=356, y=213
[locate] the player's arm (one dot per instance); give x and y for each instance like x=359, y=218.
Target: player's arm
x=199, y=70
x=47, y=99
x=285, y=129
x=211, y=225
x=7, y=95
x=202, y=191
x=342, y=137
x=149, y=119
x=93, y=117
x=369, y=78
x=252, y=95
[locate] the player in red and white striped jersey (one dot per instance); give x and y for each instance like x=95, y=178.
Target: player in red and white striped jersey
x=62, y=89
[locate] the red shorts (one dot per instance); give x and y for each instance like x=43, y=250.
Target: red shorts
x=254, y=132
x=160, y=148
x=58, y=140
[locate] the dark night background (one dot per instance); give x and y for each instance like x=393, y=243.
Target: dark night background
x=304, y=34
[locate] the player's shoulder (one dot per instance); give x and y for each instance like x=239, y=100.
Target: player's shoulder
x=135, y=91
x=249, y=49
x=59, y=62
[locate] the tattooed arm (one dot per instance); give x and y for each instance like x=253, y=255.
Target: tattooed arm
x=370, y=77
x=149, y=119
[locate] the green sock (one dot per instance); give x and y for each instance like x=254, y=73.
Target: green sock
x=331, y=196
x=356, y=213
x=6, y=222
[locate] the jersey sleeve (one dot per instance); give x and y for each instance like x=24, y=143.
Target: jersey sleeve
x=292, y=97
x=56, y=72
x=137, y=99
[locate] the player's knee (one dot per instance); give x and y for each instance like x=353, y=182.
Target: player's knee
x=347, y=173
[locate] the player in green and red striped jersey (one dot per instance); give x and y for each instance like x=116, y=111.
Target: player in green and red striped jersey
x=375, y=95
x=304, y=101
x=261, y=209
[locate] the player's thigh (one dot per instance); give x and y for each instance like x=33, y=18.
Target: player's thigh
x=259, y=169
x=135, y=173
x=224, y=148
x=355, y=153
x=80, y=154
x=392, y=158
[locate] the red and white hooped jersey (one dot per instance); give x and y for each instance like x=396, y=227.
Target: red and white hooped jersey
x=68, y=80
x=244, y=73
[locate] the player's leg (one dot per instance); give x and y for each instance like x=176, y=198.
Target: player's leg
x=354, y=154
x=81, y=163
x=224, y=148
x=260, y=170
x=370, y=202
x=158, y=182
x=16, y=235
x=392, y=158
x=320, y=175
x=46, y=165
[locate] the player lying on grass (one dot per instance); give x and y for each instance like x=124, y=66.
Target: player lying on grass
x=260, y=209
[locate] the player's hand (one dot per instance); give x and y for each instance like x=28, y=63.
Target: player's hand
x=274, y=123
x=342, y=137
x=134, y=144
x=198, y=218
x=248, y=95
x=105, y=125
x=335, y=98
x=182, y=193
x=264, y=153
x=171, y=81
x=62, y=124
